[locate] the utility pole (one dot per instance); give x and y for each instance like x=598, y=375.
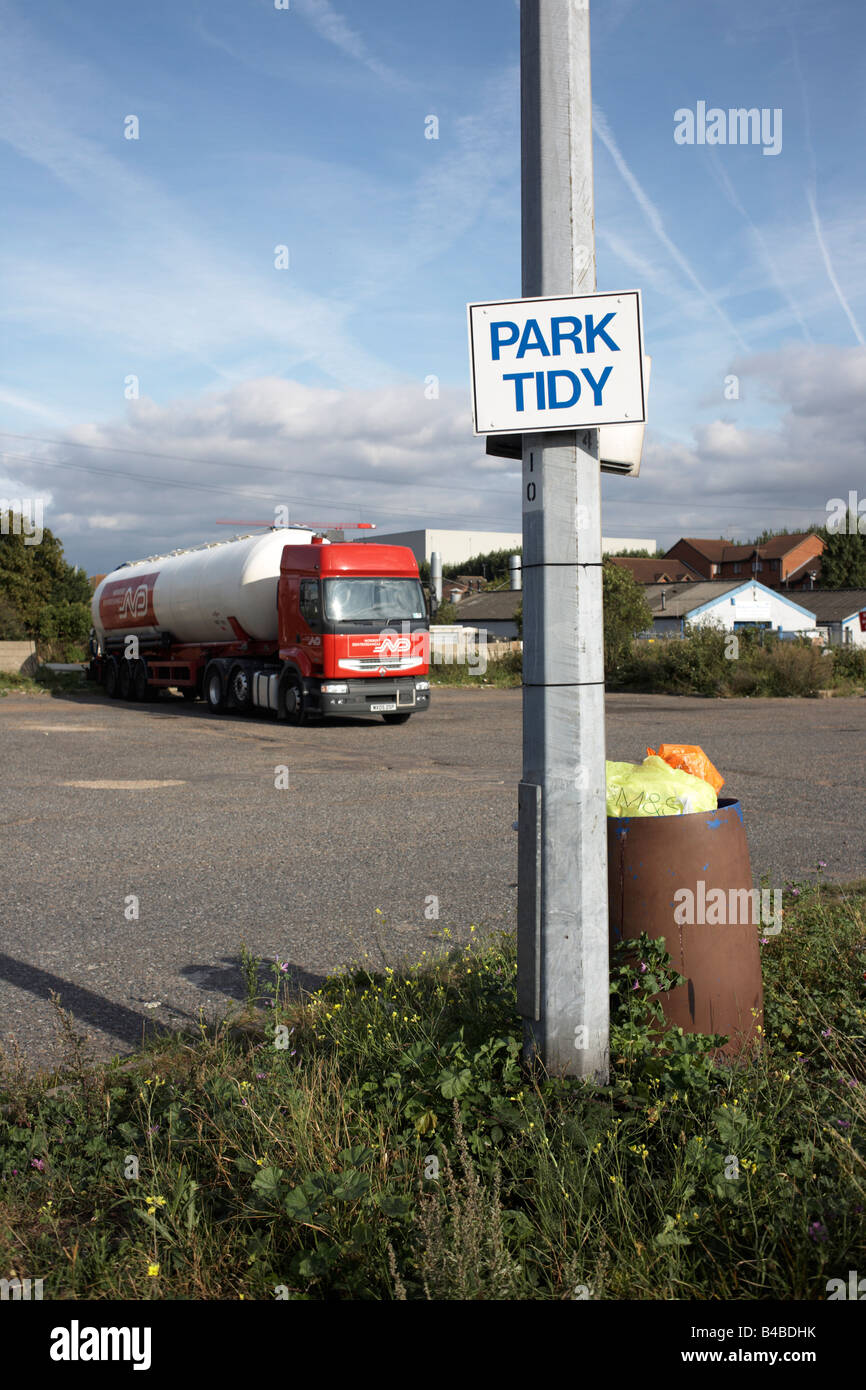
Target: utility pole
x=563, y=960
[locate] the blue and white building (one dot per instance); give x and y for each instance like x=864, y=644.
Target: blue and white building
x=731, y=605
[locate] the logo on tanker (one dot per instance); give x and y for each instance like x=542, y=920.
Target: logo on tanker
x=134, y=602
x=128, y=602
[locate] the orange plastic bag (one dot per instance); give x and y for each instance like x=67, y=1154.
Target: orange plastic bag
x=689, y=758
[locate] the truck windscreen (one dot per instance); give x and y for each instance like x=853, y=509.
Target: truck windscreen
x=373, y=600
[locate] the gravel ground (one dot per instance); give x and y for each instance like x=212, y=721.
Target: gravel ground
x=166, y=804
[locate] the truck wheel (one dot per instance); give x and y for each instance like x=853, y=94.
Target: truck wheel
x=291, y=704
x=111, y=678
x=240, y=689
x=395, y=718
x=140, y=684
x=124, y=680
x=215, y=689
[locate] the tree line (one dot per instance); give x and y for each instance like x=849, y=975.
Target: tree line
x=42, y=597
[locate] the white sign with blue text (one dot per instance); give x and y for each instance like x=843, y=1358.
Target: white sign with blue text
x=557, y=364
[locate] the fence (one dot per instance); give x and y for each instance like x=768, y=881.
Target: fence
x=454, y=644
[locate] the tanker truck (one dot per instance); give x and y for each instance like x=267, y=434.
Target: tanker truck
x=284, y=621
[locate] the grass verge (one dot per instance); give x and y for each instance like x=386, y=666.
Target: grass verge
x=506, y=672
x=702, y=663
x=711, y=661
x=44, y=683
x=381, y=1139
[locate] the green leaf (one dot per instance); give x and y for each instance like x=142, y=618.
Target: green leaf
x=453, y=1083
x=352, y=1185
x=517, y=1225
x=155, y=1223
x=357, y=1156
x=319, y=1261
x=730, y=1124
x=268, y=1182
x=191, y=1212
x=394, y=1203
x=299, y=1207
x=669, y=1235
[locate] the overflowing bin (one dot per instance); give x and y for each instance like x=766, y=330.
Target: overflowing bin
x=687, y=878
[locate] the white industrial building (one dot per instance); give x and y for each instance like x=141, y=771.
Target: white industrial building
x=615, y=545
x=456, y=547
x=728, y=604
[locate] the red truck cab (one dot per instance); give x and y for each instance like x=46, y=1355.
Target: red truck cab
x=353, y=623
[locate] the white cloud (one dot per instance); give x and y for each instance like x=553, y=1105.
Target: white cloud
x=165, y=475
x=335, y=29
x=161, y=289
x=656, y=223
x=160, y=285
x=828, y=266
x=811, y=192
x=28, y=405
x=762, y=244
x=733, y=478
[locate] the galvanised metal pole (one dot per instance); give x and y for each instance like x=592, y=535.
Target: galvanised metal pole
x=563, y=964
x=436, y=578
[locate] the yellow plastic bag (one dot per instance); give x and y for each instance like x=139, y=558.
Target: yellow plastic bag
x=689, y=758
x=654, y=788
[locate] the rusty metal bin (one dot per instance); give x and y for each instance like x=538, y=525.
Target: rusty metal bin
x=649, y=859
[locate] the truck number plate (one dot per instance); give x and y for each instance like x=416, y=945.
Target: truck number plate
x=375, y=709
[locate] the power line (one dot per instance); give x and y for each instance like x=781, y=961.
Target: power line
x=209, y=487
x=344, y=477
x=251, y=467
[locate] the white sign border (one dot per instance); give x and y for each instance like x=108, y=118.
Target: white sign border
x=548, y=299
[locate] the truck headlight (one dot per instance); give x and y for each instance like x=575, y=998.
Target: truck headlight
x=422, y=685
x=335, y=689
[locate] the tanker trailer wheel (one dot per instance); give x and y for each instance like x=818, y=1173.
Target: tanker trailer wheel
x=291, y=704
x=214, y=689
x=140, y=684
x=124, y=680
x=111, y=678
x=240, y=689
x=395, y=718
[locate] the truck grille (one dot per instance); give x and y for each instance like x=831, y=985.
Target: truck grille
x=393, y=663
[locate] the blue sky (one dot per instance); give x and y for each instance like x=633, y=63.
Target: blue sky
x=305, y=127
